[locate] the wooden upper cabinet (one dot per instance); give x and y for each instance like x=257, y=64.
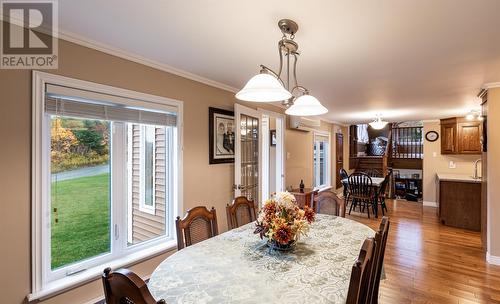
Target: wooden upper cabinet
x=448, y=136
x=459, y=136
x=469, y=137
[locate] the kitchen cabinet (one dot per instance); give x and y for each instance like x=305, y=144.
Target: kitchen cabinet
x=459, y=199
x=461, y=136
x=448, y=136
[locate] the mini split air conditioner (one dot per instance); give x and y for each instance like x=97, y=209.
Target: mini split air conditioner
x=304, y=123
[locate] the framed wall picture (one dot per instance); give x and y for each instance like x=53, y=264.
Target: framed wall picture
x=221, y=136
x=272, y=137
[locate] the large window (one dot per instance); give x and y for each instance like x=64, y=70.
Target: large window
x=321, y=151
x=105, y=179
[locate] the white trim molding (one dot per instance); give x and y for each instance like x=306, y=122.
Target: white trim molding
x=430, y=204
x=492, y=259
x=108, y=49
x=491, y=85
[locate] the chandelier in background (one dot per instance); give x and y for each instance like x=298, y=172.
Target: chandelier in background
x=268, y=86
x=378, y=123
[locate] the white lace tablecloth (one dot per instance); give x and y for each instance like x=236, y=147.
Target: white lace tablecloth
x=237, y=267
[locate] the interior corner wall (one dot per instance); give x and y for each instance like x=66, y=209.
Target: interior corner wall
x=434, y=162
x=299, y=154
x=493, y=169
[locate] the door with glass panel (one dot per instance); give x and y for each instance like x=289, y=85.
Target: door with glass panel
x=247, y=153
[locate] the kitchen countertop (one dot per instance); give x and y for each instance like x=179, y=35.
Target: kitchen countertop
x=457, y=178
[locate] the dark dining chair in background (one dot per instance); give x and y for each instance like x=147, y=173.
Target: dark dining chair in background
x=197, y=225
x=361, y=192
x=381, y=195
x=343, y=175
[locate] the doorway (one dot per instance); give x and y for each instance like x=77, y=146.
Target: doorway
x=339, y=163
x=273, y=148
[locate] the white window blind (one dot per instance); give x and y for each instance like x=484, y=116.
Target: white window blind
x=80, y=103
x=320, y=137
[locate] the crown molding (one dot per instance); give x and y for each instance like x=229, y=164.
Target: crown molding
x=105, y=48
x=491, y=85
x=333, y=122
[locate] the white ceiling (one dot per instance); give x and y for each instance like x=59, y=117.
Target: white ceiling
x=405, y=59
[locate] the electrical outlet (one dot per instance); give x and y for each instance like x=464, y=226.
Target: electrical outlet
x=434, y=154
x=452, y=165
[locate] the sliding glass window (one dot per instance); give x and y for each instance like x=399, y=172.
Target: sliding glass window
x=111, y=167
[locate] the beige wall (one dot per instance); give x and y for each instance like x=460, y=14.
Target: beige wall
x=15, y=121
x=299, y=154
x=440, y=163
x=493, y=173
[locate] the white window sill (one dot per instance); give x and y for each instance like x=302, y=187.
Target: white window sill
x=59, y=286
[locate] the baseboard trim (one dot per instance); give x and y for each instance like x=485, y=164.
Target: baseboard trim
x=491, y=259
x=430, y=204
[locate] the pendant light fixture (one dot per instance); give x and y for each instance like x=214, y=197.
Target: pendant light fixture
x=378, y=123
x=269, y=86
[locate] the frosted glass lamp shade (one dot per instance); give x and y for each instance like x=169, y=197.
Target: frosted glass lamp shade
x=263, y=88
x=306, y=105
x=378, y=124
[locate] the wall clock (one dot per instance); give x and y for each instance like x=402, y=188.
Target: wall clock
x=432, y=136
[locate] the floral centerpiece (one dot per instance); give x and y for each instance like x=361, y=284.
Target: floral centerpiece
x=282, y=222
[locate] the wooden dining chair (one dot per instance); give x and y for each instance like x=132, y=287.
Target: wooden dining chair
x=125, y=287
x=241, y=211
x=380, y=241
x=361, y=192
x=361, y=274
x=344, y=175
x=327, y=202
x=197, y=225
x=381, y=195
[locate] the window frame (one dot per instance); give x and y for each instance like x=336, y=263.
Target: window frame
x=44, y=284
x=316, y=165
x=143, y=207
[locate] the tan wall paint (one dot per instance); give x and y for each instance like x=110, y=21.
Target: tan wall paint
x=15, y=121
x=299, y=150
x=440, y=164
x=493, y=172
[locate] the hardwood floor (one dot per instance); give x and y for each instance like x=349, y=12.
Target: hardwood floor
x=426, y=262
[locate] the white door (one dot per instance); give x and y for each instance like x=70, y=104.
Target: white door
x=247, y=175
x=273, y=153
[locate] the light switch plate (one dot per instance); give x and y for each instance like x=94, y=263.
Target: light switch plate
x=434, y=154
x=452, y=165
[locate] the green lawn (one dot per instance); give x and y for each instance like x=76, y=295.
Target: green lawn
x=83, y=211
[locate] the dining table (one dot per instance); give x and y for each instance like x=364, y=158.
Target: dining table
x=376, y=181
x=238, y=267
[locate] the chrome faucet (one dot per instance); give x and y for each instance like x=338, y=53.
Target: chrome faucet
x=476, y=176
